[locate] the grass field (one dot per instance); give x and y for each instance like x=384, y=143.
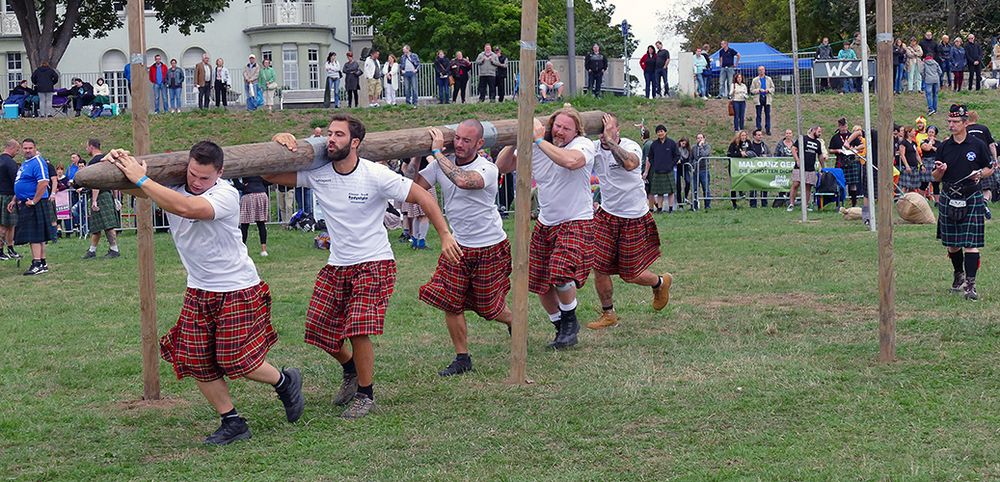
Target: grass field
x=763, y=366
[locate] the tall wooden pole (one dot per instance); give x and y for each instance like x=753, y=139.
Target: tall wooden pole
x=869, y=168
x=144, y=207
x=798, y=111
x=522, y=197
x=886, y=271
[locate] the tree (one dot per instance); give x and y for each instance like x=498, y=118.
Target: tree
x=48, y=26
x=593, y=25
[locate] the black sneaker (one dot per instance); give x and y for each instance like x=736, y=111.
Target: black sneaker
x=970, y=290
x=403, y=238
x=231, y=430
x=348, y=388
x=958, y=284
x=112, y=254
x=291, y=394
x=13, y=254
x=36, y=268
x=3, y=256
x=457, y=367
x=89, y=255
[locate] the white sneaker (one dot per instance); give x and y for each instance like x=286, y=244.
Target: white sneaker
x=791, y=207
x=809, y=209
x=263, y=254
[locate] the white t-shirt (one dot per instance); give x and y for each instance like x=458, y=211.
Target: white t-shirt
x=622, y=191
x=563, y=194
x=212, y=251
x=472, y=213
x=354, y=207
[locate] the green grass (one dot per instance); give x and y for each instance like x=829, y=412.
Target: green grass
x=763, y=366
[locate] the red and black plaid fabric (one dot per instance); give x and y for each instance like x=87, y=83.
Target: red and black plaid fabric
x=255, y=207
x=625, y=247
x=479, y=282
x=349, y=301
x=560, y=254
x=220, y=334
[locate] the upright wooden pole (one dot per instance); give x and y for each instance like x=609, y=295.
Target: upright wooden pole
x=144, y=207
x=522, y=198
x=796, y=90
x=886, y=271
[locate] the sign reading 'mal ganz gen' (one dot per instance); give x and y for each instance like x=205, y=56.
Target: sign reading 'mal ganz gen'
x=841, y=69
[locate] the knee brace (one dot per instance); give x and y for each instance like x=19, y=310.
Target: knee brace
x=565, y=287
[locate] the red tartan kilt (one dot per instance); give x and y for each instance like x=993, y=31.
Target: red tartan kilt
x=480, y=282
x=220, y=334
x=623, y=246
x=560, y=254
x=349, y=301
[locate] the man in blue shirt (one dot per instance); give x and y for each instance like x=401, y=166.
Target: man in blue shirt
x=30, y=189
x=729, y=59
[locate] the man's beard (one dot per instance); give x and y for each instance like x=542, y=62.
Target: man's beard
x=339, y=154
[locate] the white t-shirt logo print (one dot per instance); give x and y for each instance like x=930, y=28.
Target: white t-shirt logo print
x=357, y=198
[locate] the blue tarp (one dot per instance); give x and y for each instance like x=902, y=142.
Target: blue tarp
x=753, y=54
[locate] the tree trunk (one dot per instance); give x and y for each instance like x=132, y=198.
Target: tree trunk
x=45, y=39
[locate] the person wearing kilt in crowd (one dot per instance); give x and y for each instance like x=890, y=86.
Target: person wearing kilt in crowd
x=659, y=171
x=102, y=211
x=352, y=291
x=30, y=197
x=562, y=244
x=841, y=144
x=8, y=218
x=647, y=143
x=224, y=329
x=989, y=184
x=962, y=162
x=911, y=175
x=481, y=279
x=626, y=239
x=419, y=224
x=929, y=151
x=255, y=207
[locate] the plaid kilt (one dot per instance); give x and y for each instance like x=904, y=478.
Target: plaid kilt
x=967, y=233
x=33, y=223
x=852, y=171
x=412, y=210
x=910, y=180
x=662, y=183
x=6, y=218
x=480, y=282
x=220, y=334
x=623, y=246
x=255, y=207
x=560, y=254
x=349, y=301
x=925, y=175
x=106, y=217
x=990, y=183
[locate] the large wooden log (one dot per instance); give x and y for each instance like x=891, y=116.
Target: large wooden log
x=271, y=158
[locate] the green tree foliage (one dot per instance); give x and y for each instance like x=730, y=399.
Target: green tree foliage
x=47, y=26
x=449, y=25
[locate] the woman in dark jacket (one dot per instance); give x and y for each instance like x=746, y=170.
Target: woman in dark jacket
x=254, y=207
x=442, y=69
x=352, y=80
x=738, y=148
x=898, y=59
x=45, y=80
x=958, y=63
x=648, y=64
x=460, y=68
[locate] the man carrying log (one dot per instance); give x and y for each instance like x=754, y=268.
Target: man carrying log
x=224, y=329
x=963, y=161
x=481, y=279
x=352, y=291
x=563, y=241
x=627, y=241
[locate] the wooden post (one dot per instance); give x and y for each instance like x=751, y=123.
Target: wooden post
x=522, y=198
x=144, y=207
x=798, y=111
x=886, y=271
x=869, y=168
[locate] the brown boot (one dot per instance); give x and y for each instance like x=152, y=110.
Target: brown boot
x=661, y=295
x=607, y=320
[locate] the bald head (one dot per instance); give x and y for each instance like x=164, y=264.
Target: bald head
x=468, y=140
x=11, y=147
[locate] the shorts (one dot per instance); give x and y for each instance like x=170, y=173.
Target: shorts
x=811, y=177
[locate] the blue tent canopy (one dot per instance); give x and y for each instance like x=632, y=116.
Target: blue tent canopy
x=753, y=54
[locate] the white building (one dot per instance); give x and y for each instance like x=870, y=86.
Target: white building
x=295, y=34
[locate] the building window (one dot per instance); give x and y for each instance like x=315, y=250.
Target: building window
x=266, y=55
x=118, y=86
x=290, y=67
x=14, y=72
x=313, y=68
x=8, y=6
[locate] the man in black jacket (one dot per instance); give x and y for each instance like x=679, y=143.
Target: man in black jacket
x=82, y=93
x=595, y=65
x=501, y=78
x=974, y=54
x=45, y=80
